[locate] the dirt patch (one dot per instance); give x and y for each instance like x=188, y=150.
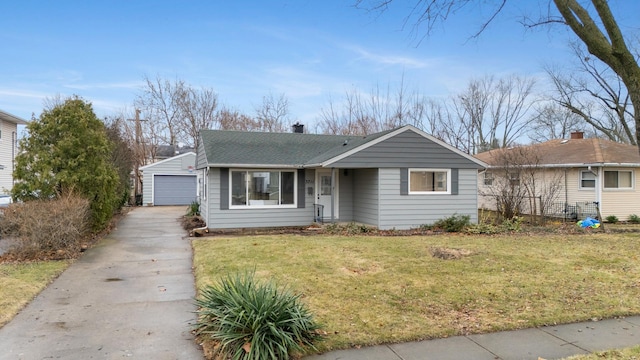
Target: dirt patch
x=449, y=253
x=193, y=222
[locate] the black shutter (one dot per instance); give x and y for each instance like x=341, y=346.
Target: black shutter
x=301, y=186
x=224, y=188
x=404, y=181
x=454, y=182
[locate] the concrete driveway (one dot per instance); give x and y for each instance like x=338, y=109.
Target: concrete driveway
x=130, y=296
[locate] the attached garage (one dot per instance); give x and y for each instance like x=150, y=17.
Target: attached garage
x=170, y=182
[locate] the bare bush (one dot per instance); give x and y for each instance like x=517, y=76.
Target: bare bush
x=47, y=228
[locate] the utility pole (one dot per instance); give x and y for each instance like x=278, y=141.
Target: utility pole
x=139, y=161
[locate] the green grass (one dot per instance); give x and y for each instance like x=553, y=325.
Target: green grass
x=19, y=283
x=372, y=290
x=632, y=353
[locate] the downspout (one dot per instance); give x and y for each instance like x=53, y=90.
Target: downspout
x=566, y=191
x=599, y=183
x=333, y=193
x=14, y=140
x=204, y=190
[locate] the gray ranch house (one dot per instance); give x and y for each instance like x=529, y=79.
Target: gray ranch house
x=395, y=179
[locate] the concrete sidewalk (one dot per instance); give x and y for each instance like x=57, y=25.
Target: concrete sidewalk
x=130, y=296
x=553, y=342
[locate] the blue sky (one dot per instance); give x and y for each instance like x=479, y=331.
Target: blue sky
x=312, y=51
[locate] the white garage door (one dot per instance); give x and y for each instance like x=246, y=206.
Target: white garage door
x=174, y=190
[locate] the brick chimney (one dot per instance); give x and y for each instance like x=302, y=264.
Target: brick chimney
x=577, y=135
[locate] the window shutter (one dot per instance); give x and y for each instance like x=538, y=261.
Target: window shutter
x=301, y=186
x=404, y=181
x=224, y=188
x=454, y=182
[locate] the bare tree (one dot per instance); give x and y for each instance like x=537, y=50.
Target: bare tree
x=596, y=94
x=383, y=108
x=174, y=112
x=198, y=112
x=492, y=114
x=228, y=119
x=273, y=115
x=591, y=21
x=519, y=183
x=349, y=118
x=442, y=121
x=159, y=101
x=553, y=121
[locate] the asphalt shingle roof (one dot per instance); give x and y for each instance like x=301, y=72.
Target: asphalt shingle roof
x=286, y=149
x=573, y=151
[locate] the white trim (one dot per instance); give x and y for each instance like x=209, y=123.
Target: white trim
x=447, y=171
x=335, y=193
x=167, y=160
x=5, y=116
x=595, y=180
x=249, y=207
x=327, y=163
x=574, y=165
x=255, y=166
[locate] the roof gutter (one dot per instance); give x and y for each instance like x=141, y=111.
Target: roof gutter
x=575, y=165
x=257, y=166
x=5, y=116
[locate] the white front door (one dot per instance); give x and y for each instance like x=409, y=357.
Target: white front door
x=325, y=190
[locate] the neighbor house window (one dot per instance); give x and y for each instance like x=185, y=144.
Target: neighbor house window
x=488, y=178
x=514, y=178
x=587, y=179
x=622, y=179
x=262, y=188
x=429, y=181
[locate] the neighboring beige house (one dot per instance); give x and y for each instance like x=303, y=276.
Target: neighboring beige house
x=583, y=171
x=8, y=148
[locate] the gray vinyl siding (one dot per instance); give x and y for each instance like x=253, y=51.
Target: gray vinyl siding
x=255, y=218
x=201, y=160
x=345, y=198
x=174, y=166
x=407, y=149
x=365, y=196
x=204, y=198
x=410, y=211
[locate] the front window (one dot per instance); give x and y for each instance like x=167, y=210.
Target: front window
x=429, y=181
x=262, y=188
x=618, y=179
x=587, y=179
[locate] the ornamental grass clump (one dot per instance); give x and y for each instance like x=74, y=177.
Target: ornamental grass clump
x=252, y=320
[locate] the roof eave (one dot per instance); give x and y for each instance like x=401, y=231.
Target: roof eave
x=5, y=116
x=166, y=160
x=572, y=165
x=254, y=166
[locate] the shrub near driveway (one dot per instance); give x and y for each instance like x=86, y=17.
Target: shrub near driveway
x=371, y=290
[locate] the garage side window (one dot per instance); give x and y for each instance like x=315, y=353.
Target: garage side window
x=429, y=181
x=262, y=188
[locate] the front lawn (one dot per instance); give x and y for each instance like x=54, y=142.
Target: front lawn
x=370, y=290
x=632, y=353
x=19, y=283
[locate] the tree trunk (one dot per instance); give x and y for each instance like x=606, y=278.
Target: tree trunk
x=610, y=48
